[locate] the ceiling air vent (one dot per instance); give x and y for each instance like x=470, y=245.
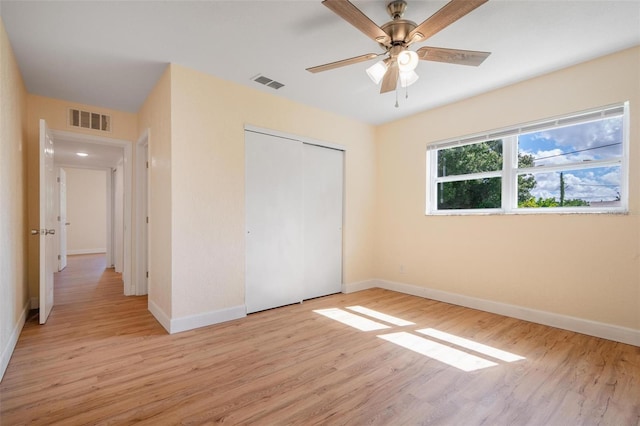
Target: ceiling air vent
x=267, y=81
x=89, y=120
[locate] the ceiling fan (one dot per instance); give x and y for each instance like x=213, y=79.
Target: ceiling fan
x=397, y=35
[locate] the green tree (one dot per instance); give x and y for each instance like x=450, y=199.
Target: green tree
x=540, y=202
x=479, y=193
x=526, y=183
x=575, y=202
x=552, y=202
x=470, y=194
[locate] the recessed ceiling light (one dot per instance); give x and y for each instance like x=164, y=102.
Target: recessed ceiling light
x=82, y=154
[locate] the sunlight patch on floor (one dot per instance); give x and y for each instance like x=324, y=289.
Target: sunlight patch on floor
x=356, y=321
x=380, y=316
x=445, y=354
x=470, y=344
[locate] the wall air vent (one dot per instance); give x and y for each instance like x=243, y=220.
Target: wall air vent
x=267, y=81
x=89, y=120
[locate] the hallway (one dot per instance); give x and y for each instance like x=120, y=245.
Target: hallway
x=91, y=332
x=86, y=280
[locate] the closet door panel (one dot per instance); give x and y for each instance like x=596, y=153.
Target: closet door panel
x=274, y=221
x=323, y=194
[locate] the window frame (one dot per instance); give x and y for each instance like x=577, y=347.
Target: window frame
x=510, y=171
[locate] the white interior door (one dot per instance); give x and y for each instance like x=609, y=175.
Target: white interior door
x=62, y=219
x=323, y=189
x=274, y=221
x=47, y=222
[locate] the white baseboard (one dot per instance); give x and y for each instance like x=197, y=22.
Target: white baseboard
x=207, y=318
x=7, y=350
x=579, y=325
x=86, y=251
x=160, y=315
x=360, y=285
x=176, y=325
x=35, y=303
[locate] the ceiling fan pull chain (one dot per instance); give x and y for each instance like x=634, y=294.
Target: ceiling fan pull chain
x=396, y=36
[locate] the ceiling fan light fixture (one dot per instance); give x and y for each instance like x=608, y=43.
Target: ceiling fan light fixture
x=407, y=78
x=396, y=38
x=407, y=60
x=377, y=71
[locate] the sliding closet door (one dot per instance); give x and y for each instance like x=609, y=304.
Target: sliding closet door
x=274, y=221
x=323, y=187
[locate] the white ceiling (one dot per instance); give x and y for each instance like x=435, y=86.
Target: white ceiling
x=100, y=156
x=111, y=53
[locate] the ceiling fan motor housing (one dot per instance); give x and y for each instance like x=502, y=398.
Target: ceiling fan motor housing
x=396, y=36
x=398, y=30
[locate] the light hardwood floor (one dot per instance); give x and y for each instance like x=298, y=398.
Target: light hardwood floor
x=103, y=359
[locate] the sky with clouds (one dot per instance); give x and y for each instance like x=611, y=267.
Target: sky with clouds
x=591, y=141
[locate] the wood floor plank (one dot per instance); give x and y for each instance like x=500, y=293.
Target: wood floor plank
x=103, y=359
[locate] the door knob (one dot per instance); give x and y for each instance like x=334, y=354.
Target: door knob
x=49, y=232
x=35, y=232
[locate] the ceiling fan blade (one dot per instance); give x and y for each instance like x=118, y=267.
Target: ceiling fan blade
x=344, y=62
x=390, y=80
x=347, y=11
x=452, y=56
x=444, y=17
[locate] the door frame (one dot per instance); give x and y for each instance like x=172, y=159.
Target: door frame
x=129, y=283
x=142, y=187
x=110, y=233
x=303, y=139
x=62, y=220
x=117, y=251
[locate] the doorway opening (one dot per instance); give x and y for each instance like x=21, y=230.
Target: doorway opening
x=108, y=163
x=87, y=213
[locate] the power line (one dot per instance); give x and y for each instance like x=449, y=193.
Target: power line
x=593, y=184
x=575, y=152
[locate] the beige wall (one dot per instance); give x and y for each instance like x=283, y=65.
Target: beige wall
x=155, y=116
x=55, y=112
x=584, y=266
x=86, y=211
x=14, y=293
x=206, y=163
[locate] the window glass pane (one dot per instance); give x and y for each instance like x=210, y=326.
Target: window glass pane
x=475, y=158
x=470, y=194
x=594, y=187
x=594, y=140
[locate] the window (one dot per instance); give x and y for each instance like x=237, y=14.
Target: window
x=575, y=163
